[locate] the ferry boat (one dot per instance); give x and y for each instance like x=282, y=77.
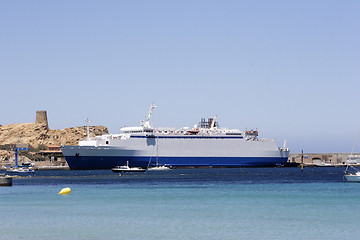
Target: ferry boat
x=205, y=145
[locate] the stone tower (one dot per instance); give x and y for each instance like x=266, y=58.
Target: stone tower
x=41, y=118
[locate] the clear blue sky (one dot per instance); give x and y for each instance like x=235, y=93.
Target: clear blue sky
x=289, y=68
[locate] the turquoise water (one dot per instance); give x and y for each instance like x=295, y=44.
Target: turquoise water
x=183, y=204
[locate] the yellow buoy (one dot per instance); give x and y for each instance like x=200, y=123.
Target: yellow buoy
x=66, y=190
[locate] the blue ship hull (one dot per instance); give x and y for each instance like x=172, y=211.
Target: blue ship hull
x=108, y=162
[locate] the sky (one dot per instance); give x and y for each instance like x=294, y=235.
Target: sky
x=287, y=68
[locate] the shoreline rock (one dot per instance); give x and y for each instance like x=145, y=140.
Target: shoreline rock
x=39, y=134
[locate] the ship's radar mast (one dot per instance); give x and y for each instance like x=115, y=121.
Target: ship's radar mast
x=212, y=127
x=146, y=124
x=209, y=124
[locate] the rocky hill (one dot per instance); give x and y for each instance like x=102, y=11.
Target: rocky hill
x=39, y=133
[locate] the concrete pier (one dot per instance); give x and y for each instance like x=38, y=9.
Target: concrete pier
x=5, y=180
x=325, y=159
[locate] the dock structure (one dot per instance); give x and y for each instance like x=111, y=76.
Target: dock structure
x=325, y=159
x=5, y=180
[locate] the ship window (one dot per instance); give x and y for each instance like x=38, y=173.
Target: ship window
x=107, y=142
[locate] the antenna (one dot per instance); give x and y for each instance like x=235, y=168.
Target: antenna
x=88, y=128
x=352, y=151
x=357, y=136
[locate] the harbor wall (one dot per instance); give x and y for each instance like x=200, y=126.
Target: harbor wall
x=309, y=159
x=325, y=159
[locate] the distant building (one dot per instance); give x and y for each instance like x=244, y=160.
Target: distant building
x=54, y=155
x=51, y=149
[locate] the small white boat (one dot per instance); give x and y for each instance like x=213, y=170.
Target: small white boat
x=20, y=170
x=160, y=168
x=126, y=168
x=324, y=165
x=353, y=177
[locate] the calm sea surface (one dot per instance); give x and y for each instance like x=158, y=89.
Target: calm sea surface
x=243, y=203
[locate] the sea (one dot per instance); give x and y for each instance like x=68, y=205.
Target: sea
x=214, y=203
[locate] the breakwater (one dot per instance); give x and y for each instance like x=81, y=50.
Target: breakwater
x=325, y=159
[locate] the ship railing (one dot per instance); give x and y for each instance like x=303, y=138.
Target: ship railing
x=284, y=149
